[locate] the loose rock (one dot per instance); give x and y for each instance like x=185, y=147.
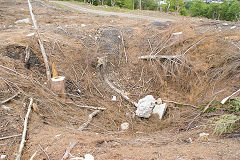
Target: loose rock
x=124, y=126
x=160, y=110
x=27, y=20
x=145, y=106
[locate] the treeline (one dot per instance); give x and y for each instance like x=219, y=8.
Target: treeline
x=227, y=10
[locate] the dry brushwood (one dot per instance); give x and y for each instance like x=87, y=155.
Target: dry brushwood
x=48, y=73
x=68, y=150
x=158, y=57
x=24, y=131
x=90, y=116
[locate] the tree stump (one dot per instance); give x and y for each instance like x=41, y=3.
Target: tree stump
x=58, y=85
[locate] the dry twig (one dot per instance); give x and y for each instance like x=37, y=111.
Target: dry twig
x=68, y=150
x=227, y=98
x=24, y=131
x=7, y=137
x=44, y=151
x=33, y=156
x=90, y=116
x=10, y=98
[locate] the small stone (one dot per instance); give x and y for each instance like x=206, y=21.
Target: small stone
x=160, y=110
x=83, y=25
x=159, y=101
x=88, y=157
x=225, y=24
x=233, y=27
x=124, y=126
x=30, y=34
x=6, y=107
x=114, y=98
x=204, y=135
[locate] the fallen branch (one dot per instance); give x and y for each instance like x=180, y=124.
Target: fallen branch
x=180, y=103
x=204, y=110
x=48, y=73
x=33, y=156
x=68, y=150
x=227, y=98
x=120, y=92
x=10, y=98
x=7, y=137
x=87, y=107
x=124, y=48
x=24, y=131
x=158, y=57
x=90, y=116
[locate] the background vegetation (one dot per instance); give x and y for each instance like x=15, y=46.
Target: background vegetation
x=227, y=10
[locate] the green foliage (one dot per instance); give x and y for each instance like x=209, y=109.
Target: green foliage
x=225, y=123
x=228, y=10
x=234, y=106
x=176, y=6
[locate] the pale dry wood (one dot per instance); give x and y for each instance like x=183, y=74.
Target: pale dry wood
x=10, y=98
x=12, y=136
x=68, y=150
x=158, y=57
x=227, y=98
x=24, y=131
x=90, y=116
x=33, y=156
x=184, y=104
x=87, y=107
x=120, y=92
x=48, y=73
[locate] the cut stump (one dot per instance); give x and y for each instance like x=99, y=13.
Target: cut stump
x=58, y=86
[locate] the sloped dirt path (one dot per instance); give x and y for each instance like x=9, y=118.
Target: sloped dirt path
x=105, y=13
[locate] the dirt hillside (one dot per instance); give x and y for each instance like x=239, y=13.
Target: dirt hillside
x=201, y=61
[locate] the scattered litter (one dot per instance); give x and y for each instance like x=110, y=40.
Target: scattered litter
x=145, y=106
x=124, y=126
x=88, y=157
x=30, y=34
x=58, y=135
x=83, y=25
x=3, y=156
x=177, y=33
x=27, y=20
x=225, y=24
x=233, y=27
x=114, y=98
x=160, y=110
x=6, y=107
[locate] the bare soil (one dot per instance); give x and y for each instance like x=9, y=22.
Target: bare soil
x=208, y=65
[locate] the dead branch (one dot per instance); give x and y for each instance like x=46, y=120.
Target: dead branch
x=48, y=73
x=180, y=103
x=158, y=57
x=7, y=137
x=68, y=150
x=120, y=92
x=204, y=110
x=90, y=116
x=227, y=98
x=24, y=131
x=33, y=156
x=10, y=98
x=124, y=48
x=44, y=151
x=87, y=107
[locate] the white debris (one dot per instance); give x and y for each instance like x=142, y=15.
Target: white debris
x=177, y=33
x=124, y=126
x=6, y=107
x=83, y=25
x=233, y=27
x=203, y=135
x=88, y=157
x=160, y=110
x=114, y=98
x=77, y=158
x=225, y=24
x=3, y=156
x=145, y=106
x=27, y=20
x=30, y=34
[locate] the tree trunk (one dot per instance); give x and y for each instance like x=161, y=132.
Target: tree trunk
x=140, y=4
x=133, y=4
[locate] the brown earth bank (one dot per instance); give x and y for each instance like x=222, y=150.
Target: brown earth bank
x=88, y=49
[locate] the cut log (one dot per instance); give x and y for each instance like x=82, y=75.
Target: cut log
x=58, y=86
